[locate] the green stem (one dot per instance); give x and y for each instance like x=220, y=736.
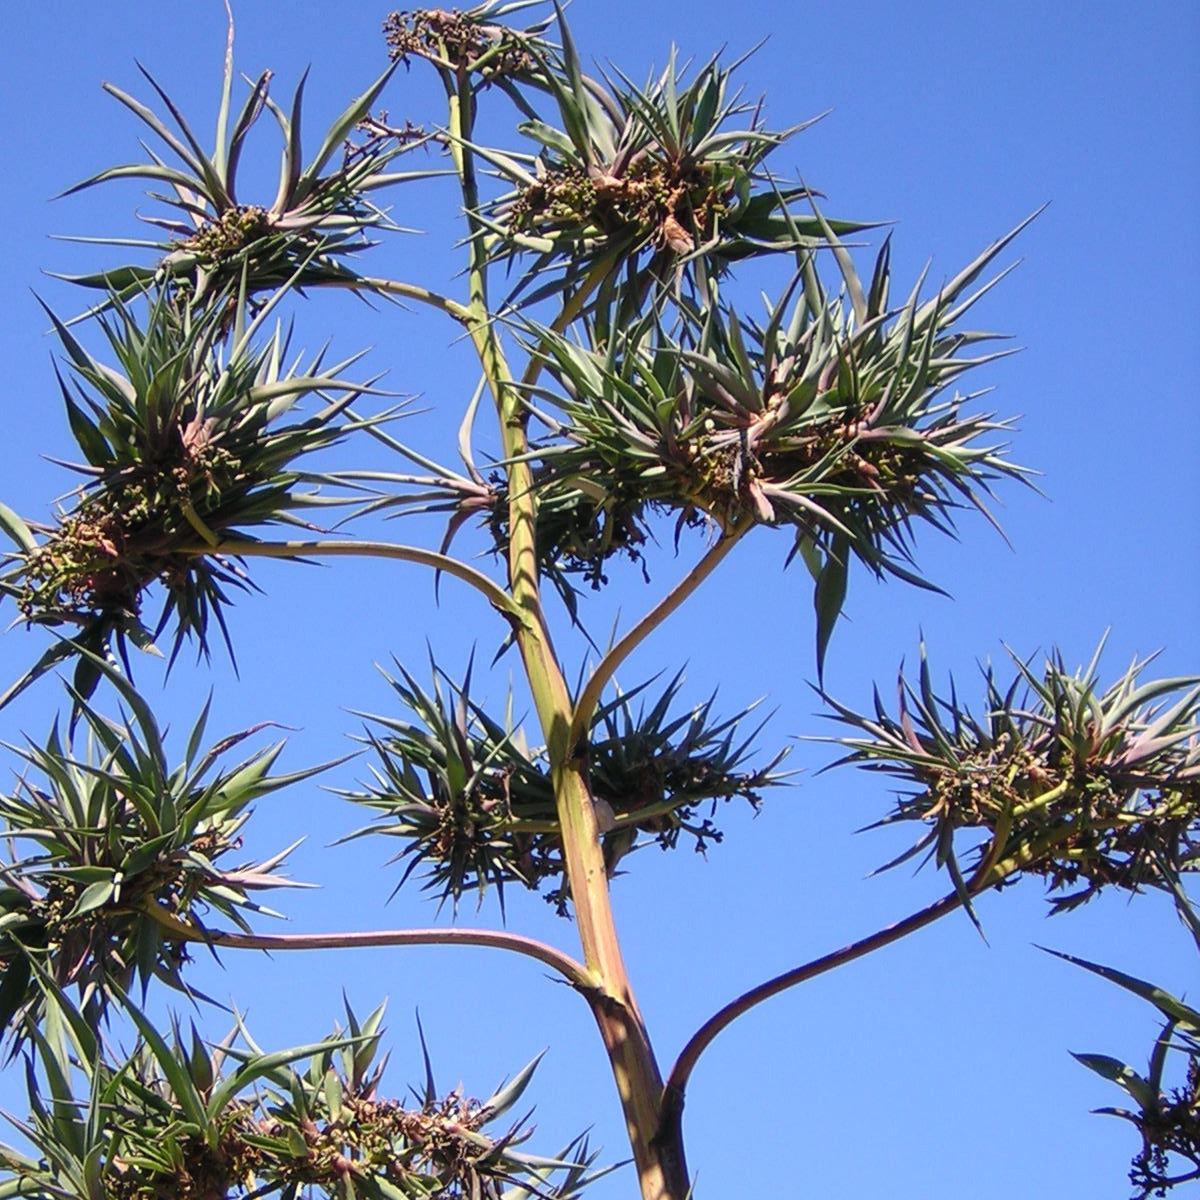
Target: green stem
x=1041, y=801
x=589, y=698
x=662, y=1171
x=573, y=972
x=410, y=291
x=197, y=523
x=246, y=548
x=549, y=688
x=1029, y=853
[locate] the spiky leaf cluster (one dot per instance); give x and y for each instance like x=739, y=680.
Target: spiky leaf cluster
x=1086, y=786
x=475, y=804
x=834, y=417
x=215, y=240
x=107, y=838
x=192, y=1121
x=186, y=440
x=630, y=184
x=1167, y=1117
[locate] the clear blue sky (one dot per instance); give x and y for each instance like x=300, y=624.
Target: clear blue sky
x=940, y=1066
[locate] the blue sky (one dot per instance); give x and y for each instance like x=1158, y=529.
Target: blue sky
x=939, y=1065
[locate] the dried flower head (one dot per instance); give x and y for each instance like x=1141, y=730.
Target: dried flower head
x=459, y=41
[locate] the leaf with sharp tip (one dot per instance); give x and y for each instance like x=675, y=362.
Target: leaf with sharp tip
x=148, y=116
x=173, y=1070
x=579, y=111
x=16, y=529
x=289, y=170
x=226, y=100
x=1123, y=1075
x=845, y=265
x=337, y=133
x=829, y=595
x=508, y=1095
x=122, y=280
x=265, y=1064
x=1167, y=1004
x=79, y=356
x=59, y=652
x=430, y=1087
x=200, y=162
x=878, y=292
x=971, y=271
x=141, y=710
x=251, y=110
x=132, y=171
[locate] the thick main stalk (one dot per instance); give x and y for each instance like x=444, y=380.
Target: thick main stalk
x=662, y=1172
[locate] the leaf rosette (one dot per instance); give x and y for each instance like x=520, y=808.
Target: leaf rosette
x=632, y=185
x=215, y=240
x=184, y=1118
x=475, y=804
x=1088, y=787
x=836, y=416
x=107, y=838
x=186, y=442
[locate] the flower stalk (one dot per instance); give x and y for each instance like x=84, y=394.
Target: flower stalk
x=630, y=392
x=663, y=1176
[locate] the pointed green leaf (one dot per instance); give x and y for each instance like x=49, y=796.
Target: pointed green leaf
x=1123, y=1075
x=16, y=529
x=1167, y=1004
x=829, y=596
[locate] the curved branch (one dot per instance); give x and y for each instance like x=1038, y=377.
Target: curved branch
x=247, y=548
x=991, y=871
x=410, y=291
x=569, y=311
x=589, y=698
x=573, y=972
x=681, y=1072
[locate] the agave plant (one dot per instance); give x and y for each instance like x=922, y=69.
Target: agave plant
x=629, y=392
x=185, y=1119
x=185, y=443
x=108, y=841
x=214, y=239
x=833, y=417
x=475, y=804
x=633, y=184
x=1086, y=786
